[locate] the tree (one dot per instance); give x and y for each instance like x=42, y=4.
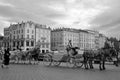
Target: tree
x=115, y=42
x=107, y=45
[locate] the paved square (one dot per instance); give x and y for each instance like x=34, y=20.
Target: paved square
x=40, y=72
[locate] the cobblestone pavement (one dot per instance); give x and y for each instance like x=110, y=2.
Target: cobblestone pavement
x=40, y=72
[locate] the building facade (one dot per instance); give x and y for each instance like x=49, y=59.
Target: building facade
x=6, y=37
x=43, y=38
x=27, y=35
x=1, y=41
x=60, y=38
x=22, y=35
x=84, y=39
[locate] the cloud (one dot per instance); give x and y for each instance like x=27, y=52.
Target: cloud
x=78, y=12
x=86, y=14
x=6, y=4
x=19, y=13
x=109, y=20
x=3, y=23
x=62, y=11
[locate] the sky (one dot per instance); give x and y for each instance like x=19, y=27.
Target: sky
x=99, y=15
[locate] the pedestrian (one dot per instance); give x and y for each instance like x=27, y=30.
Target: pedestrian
x=85, y=56
x=6, y=58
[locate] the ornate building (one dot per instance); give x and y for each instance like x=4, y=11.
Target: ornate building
x=24, y=35
x=84, y=39
x=60, y=38
x=43, y=38
x=27, y=35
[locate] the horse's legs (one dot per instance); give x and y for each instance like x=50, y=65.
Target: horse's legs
x=91, y=64
x=103, y=64
x=100, y=65
x=29, y=61
x=116, y=62
x=86, y=64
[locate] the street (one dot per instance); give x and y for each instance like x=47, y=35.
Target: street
x=41, y=72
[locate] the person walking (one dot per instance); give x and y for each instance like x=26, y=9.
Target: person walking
x=6, y=59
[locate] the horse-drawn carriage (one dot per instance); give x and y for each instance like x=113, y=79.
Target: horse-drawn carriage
x=56, y=59
x=70, y=56
x=29, y=56
x=86, y=58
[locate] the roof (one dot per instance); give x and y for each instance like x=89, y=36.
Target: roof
x=65, y=29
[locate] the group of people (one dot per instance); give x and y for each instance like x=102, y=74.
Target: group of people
x=5, y=58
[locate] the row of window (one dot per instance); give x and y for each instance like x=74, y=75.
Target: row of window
x=21, y=31
x=60, y=44
x=18, y=31
x=22, y=43
x=28, y=36
x=6, y=33
x=18, y=37
x=6, y=44
x=28, y=43
x=18, y=44
x=66, y=39
x=28, y=31
x=70, y=35
x=21, y=37
x=87, y=45
x=42, y=51
x=87, y=40
x=44, y=46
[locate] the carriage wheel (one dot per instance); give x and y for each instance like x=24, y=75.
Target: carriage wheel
x=79, y=63
x=47, y=60
x=56, y=63
x=116, y=63
x=70, y=62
